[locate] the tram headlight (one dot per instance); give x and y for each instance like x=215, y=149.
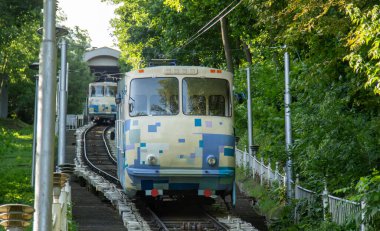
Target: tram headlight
x=152, y=160
x=211, y=160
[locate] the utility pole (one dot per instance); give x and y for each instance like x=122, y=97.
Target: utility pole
x=62, y=105
x=43, y=197
x=249, y=111
x=288, y=131
x=34, y=66
x=43, y=194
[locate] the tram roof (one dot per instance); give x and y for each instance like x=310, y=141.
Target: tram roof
x=196, y=71
x=103, y=84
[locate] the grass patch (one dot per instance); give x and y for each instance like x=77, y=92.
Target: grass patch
x=269, y=202
x=13, y=124
x=16, y=139
x=16, y=144
x=16, y=157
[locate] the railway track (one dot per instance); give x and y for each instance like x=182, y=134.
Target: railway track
x=181, y=215
x=162, y=215
x=97, y=154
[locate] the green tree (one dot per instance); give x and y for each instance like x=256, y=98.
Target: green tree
x=155, y=29
x=19, y=45
x=368, y=188
x=79, y=73
x=364, y=42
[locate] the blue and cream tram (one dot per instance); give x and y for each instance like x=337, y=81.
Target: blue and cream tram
x=101, y=101
x=174, y=131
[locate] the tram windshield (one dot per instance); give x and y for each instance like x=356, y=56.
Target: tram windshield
x=96, y=91
x=154, y=96
x=109, y=90
x=206, y=96
x=99, y=91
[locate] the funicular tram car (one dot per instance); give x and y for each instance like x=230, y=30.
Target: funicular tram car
x=174, y=132
x=101, y=101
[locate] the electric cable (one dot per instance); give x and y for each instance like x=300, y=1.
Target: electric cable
x=207, y=25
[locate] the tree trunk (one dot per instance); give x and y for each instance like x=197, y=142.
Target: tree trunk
x=3, y=98
x=248, y=55
x=226, y=44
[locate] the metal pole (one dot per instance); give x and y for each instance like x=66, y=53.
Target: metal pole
x=288, y=130
x=45, y=132
x=62, y=106
x=249, y=111
x=362, y=225
x=325, y=200
x=35, y=132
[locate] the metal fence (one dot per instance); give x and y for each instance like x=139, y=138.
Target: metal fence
x=302, y=193
x=258, y=168
x=340, y=210
x=60, y=208
x=74, y=121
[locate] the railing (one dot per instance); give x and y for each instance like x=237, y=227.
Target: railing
x=258, y=168
x=339, y=209
x=304, y=194
x=74, y=121
x=61, y=204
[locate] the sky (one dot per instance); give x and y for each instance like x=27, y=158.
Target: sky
x=92, y=15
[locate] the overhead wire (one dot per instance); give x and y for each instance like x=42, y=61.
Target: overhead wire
x=200, y=30
x=213, y=21
x=207, y=26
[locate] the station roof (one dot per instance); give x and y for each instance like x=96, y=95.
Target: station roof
x=103, y=60
x=101, y=53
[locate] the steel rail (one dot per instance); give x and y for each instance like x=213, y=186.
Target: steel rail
x=91, y=165
x=158, y=220
x=216, y=222
x=167, y=223
x=112, y=158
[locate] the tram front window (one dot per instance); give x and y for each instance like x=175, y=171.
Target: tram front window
x=96, y=91
x=109, y=91
x=154, y=96
x=206, y=96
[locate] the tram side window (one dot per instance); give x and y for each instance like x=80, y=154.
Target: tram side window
x=96, y=91
x=216, y=105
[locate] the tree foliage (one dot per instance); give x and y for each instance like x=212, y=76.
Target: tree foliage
x=368, y=188
x=79, y=73
x=364, y=42
x=149, y=29
x=19, y=45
